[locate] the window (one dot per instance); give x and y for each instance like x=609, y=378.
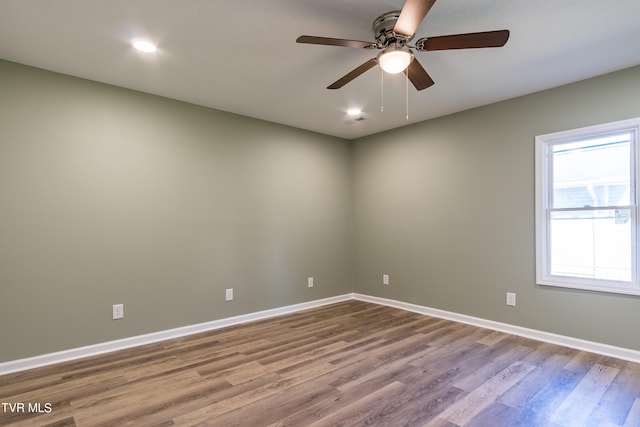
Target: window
x=586, y=208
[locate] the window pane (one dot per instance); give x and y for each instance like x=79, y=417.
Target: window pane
x=591, y=243
x=592, y=172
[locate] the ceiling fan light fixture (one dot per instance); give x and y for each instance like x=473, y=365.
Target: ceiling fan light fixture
x=144, y=46
x=394, y=60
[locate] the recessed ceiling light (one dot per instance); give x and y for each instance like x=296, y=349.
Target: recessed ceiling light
x=354, y=111
x=144, y=46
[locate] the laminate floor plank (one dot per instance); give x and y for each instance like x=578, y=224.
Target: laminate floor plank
x=490, y=368
x=138, y=397
x=618, y=399
x=352, y=350
x=633, y=416
x=271, y=409
x=497, y=415
x=360, y=409
x=551, y=366
x=419, y=401
x=464, y=410
x=351, y=364
x=492, y=338
x=164, y=414
x=577, y=407
x=539, y=404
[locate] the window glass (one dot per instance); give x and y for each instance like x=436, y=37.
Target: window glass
x=592, y=172
x=591, y=243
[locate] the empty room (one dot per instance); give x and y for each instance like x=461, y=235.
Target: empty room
x=303, y=213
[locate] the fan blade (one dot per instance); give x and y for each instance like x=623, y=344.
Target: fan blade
x=411, y=16
x=328, y=41
x=418, y=75
x=465, y=41
x=353, y=74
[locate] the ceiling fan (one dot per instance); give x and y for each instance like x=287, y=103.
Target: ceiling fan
x=393, y=31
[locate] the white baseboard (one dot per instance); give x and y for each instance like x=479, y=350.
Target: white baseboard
x=579, y=344
x=121, y=344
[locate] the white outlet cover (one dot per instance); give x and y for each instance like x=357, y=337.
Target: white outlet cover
x=310, y=282
x=117, y=311
x=511, y=299
x=229, y=294
x=385, y=279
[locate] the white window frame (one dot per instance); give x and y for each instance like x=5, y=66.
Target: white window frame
x=543, y=144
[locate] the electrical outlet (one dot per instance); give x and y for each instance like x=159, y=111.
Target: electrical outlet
x=117, y=311
x=385, y=279
x=229, y=294
x=511, y=299
x=309, y=282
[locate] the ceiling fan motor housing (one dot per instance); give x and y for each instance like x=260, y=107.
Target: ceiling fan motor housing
x=383, y=30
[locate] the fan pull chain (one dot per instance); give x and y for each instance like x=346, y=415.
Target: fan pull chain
x=406, y=93
x=381, y=90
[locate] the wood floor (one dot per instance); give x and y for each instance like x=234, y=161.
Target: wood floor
x=346, y=364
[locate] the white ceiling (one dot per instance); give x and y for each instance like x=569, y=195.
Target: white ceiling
x=241, y=56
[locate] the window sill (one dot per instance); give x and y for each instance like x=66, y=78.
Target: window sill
x=610, y=287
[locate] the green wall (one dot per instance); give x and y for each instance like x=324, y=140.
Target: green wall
x=112, y=196
x=446, y=208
